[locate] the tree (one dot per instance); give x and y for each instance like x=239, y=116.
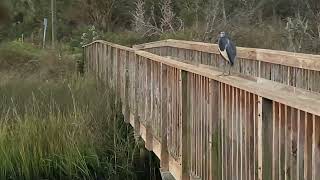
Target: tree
x=106, y=13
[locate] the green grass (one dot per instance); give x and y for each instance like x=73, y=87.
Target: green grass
x=25, y=61
x=17, y=52
x=55, y=124
x=62, y=130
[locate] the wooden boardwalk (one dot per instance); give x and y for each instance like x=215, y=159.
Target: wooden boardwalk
x=263, y=122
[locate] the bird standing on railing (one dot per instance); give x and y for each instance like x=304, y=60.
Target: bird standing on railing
x=227, y=50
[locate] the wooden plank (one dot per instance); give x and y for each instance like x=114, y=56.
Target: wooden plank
x=229, y=140
x=250, y=136
x=185, y=126
x=286, y=142
x=127, y=94
x=260, y=147
x=178, y=111
x=281, y=141
x=298, y=143
x=198, y=157
x=192, y=113
x=237, y=128
x=315, y=148
x=201, y=128
x=233, y=141
x=207, y=124
x=205, y=130
x=240, y=135
x=169, y=108
x=222, y=116
x=148, y=106
x=173, y=111
x=164, y=118
x=226, y=132
x=215, y=115
x=255, y=142
x=293, y=151
x=246, y=122
x=308, y=146
x=196, y=127
x=193, y=124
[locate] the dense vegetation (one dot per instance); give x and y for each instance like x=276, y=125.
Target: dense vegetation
x=55, y=124
x=292, y=25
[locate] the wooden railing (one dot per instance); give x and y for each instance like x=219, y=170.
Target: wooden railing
x=293, y=69
x=205, y=126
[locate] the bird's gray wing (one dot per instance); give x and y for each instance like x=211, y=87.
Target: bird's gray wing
x=231, y=51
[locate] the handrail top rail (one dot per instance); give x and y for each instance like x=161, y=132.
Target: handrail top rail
x=298, y=60
x=210, y=45
x=110, y=44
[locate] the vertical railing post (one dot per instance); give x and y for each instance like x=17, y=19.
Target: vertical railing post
x=185, y=126
x=259, y=133
x=164, y=119
x=136, y=117
x=126, y=91
x=81, y=67
x=118, y=75
x=148, y=113
x=85, y=59
x=105, y=60
x=215, y=137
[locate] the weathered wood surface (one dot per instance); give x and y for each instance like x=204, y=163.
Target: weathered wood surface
x=204, y=126
x=294, y=69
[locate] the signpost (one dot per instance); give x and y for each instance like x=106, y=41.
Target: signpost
x=45, y=24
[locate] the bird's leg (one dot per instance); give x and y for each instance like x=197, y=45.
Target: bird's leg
x=224, y=69
x=229, y=69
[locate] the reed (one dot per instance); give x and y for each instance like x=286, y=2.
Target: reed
x=68, y=129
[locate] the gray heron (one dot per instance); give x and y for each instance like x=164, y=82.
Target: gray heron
x=227, y=50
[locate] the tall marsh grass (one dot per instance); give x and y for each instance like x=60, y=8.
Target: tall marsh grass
x=69, y=129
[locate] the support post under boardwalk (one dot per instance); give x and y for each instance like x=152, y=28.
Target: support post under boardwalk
x=185, y=126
